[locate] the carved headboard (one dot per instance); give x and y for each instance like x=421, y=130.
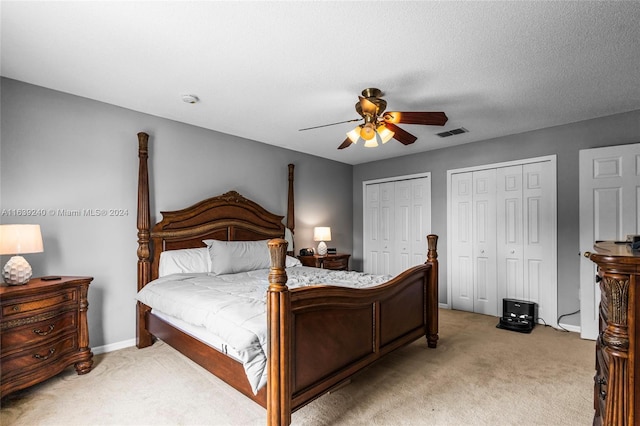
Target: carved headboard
x=226, y=217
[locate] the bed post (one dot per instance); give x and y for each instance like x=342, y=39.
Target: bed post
x=143, y=338
x=291, y=220
x=432, y=292
x=279, y=338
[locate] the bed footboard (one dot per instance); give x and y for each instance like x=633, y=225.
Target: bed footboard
x=320, y=336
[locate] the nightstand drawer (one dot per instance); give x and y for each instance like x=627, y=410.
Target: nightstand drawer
x=43, y=330
x=38, y=356
x=28, y=305
x=18, y=333
x=338, y=261
x=337, y=264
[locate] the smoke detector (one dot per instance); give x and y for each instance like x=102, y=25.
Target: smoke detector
x=190, y=99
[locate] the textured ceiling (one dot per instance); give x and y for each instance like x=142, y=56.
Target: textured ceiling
x=263, y=70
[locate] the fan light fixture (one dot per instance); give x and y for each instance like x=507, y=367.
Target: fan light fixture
x=380, y=126
x=371, y=135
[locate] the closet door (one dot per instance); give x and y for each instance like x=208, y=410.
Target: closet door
x=397, y=219
x=473, y=275
x=485, y=292
x=502, y=225
x=412, y=220
x=538, y=238
x=509, y=232
x=379, y=228
x=526, y=237
x=461, y=240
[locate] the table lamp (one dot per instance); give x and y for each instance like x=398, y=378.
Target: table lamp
x=16, y=240
x=322, y=234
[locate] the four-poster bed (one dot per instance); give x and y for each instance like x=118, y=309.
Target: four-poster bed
x=317, y=336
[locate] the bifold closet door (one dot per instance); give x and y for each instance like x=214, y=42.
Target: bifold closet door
x=525, y=237
x=379, y=228
x=396, y=222
x=473, y=272
x=502, y=238
x=412, y=211
x=485, y=297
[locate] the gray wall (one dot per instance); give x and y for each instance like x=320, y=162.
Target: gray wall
x=563, y=141
x=60, y=152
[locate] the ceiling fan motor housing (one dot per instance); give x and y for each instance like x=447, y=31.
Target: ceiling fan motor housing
x=371, y=103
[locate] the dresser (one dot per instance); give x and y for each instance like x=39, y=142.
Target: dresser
x=339, y=261
x=43, y=330
x=617, y=378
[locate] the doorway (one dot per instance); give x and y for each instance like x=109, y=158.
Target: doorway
x=609, y=210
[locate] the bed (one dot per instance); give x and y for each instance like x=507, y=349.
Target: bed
x=317, y=336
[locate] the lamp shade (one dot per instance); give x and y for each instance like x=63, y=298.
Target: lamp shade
x=20, y=239
x=322, y=233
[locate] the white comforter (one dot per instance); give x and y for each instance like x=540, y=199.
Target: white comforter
x=233, y=307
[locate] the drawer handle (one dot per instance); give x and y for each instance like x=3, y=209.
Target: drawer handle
x=44, y=333
x=44, y=357
x=16, y=308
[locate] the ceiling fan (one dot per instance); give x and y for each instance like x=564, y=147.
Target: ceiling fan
x=380, y=126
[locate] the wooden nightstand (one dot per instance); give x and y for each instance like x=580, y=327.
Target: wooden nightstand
x=43, y=330
x=338, y=261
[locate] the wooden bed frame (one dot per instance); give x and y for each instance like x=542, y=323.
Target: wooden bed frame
x=318, y=337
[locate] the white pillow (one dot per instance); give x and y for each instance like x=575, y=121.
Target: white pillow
x=293, y=261
x=232, y=257
x=184, y=261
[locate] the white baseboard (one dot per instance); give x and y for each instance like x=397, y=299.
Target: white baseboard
x=570, y=327
x=113, y=346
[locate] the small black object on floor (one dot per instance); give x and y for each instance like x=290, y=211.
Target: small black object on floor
x=518, y=315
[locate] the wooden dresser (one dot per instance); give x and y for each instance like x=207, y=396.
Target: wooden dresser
x=617, y=379
x=338, y=261
x=43, y=330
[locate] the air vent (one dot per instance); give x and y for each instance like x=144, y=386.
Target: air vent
x=452, y=132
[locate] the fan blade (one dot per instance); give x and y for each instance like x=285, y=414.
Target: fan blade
x=424, y=118
x=331, y=124
x=347, y=143
x=400, y=135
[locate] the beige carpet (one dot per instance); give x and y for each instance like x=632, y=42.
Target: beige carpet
x=478, y=375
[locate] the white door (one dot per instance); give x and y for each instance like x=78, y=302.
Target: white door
x=539, y=238
x=609, y=210
x=510, y=245
x=397, y=219
x=526, y=236
x=461, y=242
x=485, y=294
x=415, y=225
x=379, y=228
x=502, y=223
x=402, y=243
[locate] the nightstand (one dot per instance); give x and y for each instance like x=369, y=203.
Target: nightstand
x=43, y=330
x=338, y=261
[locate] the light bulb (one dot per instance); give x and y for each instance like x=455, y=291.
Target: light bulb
x=354, y=135
x=385, y=133
x=373, y=142
x=368, y=132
